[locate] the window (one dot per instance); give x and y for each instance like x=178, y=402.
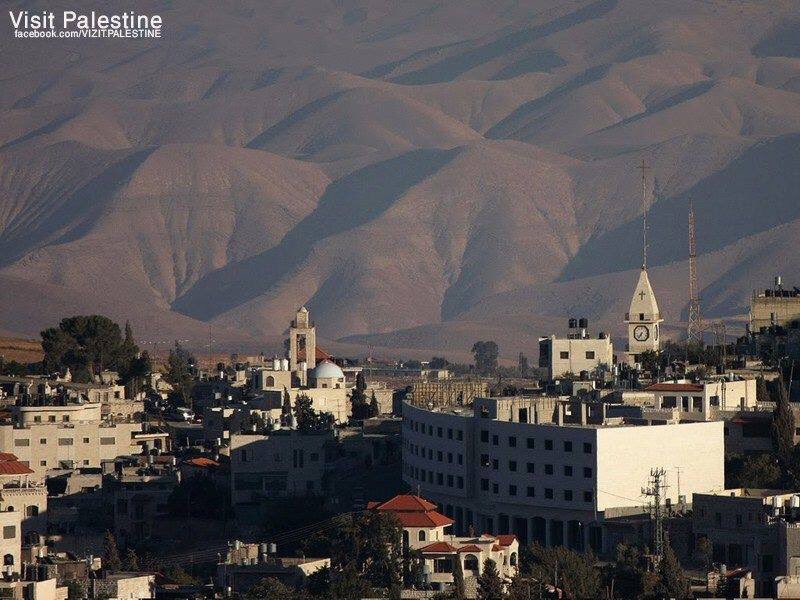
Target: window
x=564, y=354
x=450, y=457
x=484, y=436
x=449, y=481
x=495, y=488
x=548, y=469
x=512, y=441
x=461, y=459
x=567, y=446
x=548, y=493
x=439, y=479
x=495, y=440
x=568, y=495
x=590, y=355
x=85, y=440
x=568, y=470
x=512, y=490
x=449, y=433
x=42, y=440
x=512, y=465
x=65, y=418
x=459, y=435
x=421, y=536
x=65, y=441
x=587, y=472
x=641, y=316
x=587, y=496
x=37, y=419
x=587, y=448
x=548, y=444
x=470, y=562
x=439, y=456
x=9, y=532
x=31, y=511
x=22, y=442
x=460, y=482
x=495, y=464
x=42, y=463
x=530, y=468
x=531, y=443
x=439, y=432
x=531, y=492
x=51, y=418
x=485, y=485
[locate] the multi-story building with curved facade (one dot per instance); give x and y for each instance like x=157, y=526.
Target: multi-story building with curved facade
x=551, y=470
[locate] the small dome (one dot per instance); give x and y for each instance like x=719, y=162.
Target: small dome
x=327, y=370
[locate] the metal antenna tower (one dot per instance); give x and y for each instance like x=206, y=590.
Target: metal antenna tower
x=644, y=168
x=655, y=489
x=694, y=329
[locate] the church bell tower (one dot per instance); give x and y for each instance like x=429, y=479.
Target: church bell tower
x=643, y=318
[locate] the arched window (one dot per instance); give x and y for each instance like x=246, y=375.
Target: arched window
x=10, y=509
x=32, y=511
x=270, y=381
x=421, y=536
x=470, y=562
x=513, y=559
x=8, y=559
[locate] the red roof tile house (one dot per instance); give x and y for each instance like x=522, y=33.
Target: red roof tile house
x=427, y=530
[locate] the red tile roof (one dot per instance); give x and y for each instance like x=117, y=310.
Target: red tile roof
x=14, y=467
x=412, y=511
x=319, y=354
x=506, y=540
x=202, y=461
x=674, y=387
x=7, y=456
x=470, y=548
x=438, y=548
x=405, y=502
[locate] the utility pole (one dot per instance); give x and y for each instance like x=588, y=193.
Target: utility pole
x=655, y=490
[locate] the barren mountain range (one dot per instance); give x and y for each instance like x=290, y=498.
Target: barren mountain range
x=420, y=174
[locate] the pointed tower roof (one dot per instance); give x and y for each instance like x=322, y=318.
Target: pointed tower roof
x=644, y=300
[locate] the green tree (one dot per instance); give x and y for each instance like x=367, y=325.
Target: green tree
x=762, y=392
x=361, y=382
x=437, y=362
x=86, y=345
x=179, y=373
x=179, y=576
x=270, y=588
x=131, y=561
x=575, y=573
x=782, y=429
x=307, y=418
x=524, y=587
x=759, y=471
x=199, y=496
x=76, y=590
x=374, y=409
x=459, y=592
x=672, y=582
x=485, y=354
x=358, y=402
x=704, y=553
x=111, y=559
x=12, y=368
x=413, y=565
x=490, y=586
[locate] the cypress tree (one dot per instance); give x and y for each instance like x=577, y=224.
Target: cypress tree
x=111, y=560
x=459, y=593
x=490, y=586
x=672, y=581
x=782, y=429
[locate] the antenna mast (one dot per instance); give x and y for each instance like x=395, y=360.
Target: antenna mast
x=643, y=167
x=655, y=490
x=694, y=329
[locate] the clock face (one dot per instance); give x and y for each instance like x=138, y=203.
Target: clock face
x=641, y=333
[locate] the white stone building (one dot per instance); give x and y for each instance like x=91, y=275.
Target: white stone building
x=575, y=354
x=547, y=469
